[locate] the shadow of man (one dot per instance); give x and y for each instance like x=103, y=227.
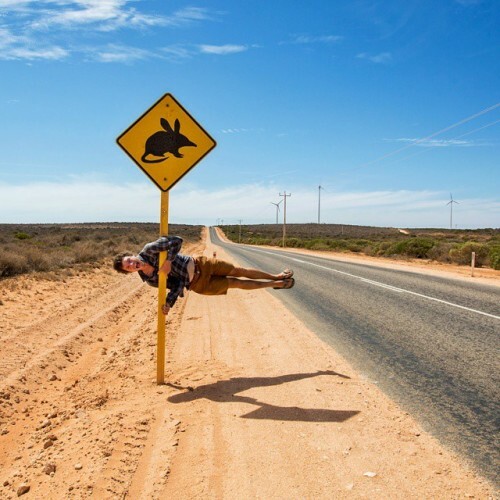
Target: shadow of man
x=225, y=391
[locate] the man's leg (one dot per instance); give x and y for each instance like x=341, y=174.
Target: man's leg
x=255, y=285
x=241, y=272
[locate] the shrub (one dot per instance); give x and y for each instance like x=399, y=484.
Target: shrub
x=12, y=264
x=381, y=248
x=494, y=256
x=259, y=241
x=436, y=244
x=22, y=236
x=357, y=245
x=293, y=243
x=318, y=244
x=441, y=252
x=340, y=245
x=462, y=254
x=414, y=247
x=55, y=247
x=37, y=260
x=69, y=239
x=87, y=252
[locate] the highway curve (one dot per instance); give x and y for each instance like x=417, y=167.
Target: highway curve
x=431, y=343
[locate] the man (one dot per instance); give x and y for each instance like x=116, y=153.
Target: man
x=199, y=274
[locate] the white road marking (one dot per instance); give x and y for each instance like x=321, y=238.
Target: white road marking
x=384, y=285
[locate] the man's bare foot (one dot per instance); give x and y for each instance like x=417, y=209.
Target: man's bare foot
x=284, y=284
x=286, y=274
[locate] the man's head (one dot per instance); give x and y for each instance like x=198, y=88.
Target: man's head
x=127, y=263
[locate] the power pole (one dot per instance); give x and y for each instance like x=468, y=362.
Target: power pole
x=239, y=237
x=284, y=216
x=319, y=202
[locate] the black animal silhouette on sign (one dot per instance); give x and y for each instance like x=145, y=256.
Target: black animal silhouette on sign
x=165, y=141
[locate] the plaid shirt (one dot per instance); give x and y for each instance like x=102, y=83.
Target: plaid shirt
x=178, y=277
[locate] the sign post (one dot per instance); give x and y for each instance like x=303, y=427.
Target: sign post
x=166, y=142
x=162, y=293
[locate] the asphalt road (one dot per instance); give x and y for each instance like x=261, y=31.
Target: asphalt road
x=431, y=343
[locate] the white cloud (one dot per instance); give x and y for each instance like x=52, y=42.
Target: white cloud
x=190, y=14
x=382, y=58
x=77, y=201
x=50, y=53
x=222, y=49
x=180, y=52
x=82, y=12
x=308, y=39
x=109, y=15
x=80, y=200
x=177, y=52
x=8, y=38
x=240, y=130
x=119, y=54
x=14, y=4
x=22, y=47
x=436, y=143
x=44, y=28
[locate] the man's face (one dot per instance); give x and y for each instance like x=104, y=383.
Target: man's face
x=131, y=263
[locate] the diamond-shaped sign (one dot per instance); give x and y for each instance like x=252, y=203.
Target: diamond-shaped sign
x=166, y=142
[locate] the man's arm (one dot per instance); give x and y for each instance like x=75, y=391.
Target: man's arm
x=170, y=244
x=172, y=297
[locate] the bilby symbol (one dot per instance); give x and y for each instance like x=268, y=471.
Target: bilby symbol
x=165, y=141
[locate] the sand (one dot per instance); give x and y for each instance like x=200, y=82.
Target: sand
x=255, y=405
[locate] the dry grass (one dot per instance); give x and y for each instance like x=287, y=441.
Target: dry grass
x=29, y=248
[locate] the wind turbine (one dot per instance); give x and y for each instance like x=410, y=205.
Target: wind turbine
x=451, y=209
x=277, y=209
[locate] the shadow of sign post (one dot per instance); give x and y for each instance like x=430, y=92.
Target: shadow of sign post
x=165, y=142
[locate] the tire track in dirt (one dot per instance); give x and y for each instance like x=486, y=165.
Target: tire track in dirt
x=64, y=404
x=81, y=414
x=19, y=351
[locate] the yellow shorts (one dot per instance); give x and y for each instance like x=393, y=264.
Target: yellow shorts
x=213, y=277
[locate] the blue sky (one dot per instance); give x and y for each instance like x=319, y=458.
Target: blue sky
x=389, y=105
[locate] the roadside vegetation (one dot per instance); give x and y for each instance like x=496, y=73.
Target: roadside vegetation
x=26, y=248
x=441, y=245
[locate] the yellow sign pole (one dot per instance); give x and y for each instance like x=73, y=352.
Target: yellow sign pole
x=162, y=294
x=154, y=138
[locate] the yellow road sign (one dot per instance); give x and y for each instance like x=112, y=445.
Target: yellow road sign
x=166, y=142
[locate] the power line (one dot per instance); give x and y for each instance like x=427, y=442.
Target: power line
x=452, y=139
x=454, y=125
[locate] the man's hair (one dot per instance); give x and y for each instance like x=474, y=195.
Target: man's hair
x=118, y=262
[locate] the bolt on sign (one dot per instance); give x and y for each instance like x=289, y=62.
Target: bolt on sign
x=166, y=142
